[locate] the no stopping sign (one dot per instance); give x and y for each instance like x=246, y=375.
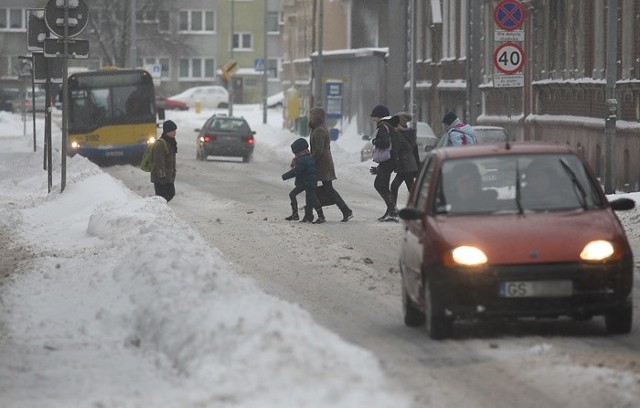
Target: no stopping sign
x=509, y=58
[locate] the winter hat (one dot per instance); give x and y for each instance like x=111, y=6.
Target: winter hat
x=405, y=117
x=380, y=111
x=168, y=126
x=449, y=118
x=299, y=145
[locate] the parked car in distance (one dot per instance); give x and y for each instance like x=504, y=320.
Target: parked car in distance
x=225, y=136
x=9, y=99
x=162, y=102
x=484, y=135
x=425, y=138
x=544, y=243
x=210, y=97
x=41, y=101
x=490, y=134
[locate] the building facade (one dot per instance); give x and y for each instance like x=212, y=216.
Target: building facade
x=187, y=41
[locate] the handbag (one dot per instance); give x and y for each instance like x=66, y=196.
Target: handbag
x=381, y=155
x=324, y=197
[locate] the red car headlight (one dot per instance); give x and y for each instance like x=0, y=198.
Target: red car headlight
x=465, y=256
x=596, y=251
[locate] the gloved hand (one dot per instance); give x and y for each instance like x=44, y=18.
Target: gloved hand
x=373, y=170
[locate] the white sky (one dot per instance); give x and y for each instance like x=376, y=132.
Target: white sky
x=117, y=302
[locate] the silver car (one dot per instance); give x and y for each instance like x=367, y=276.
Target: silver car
x=484, y=135
x=209, y=97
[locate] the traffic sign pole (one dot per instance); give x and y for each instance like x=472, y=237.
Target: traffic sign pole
x=509, y=56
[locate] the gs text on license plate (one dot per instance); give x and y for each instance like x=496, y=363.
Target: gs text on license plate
x=520, y=289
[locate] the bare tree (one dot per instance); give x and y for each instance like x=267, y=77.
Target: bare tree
x=110, y=24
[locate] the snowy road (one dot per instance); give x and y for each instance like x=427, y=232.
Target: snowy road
x=346, y=276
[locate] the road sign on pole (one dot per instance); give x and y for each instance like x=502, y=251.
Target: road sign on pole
x=77, y=17
x=46, y=69
x=509, y=15
x=259, y=64
x=36, y=29
x=54, y=47
x=509, y=58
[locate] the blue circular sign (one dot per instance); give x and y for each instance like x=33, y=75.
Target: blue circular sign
x=509, y=15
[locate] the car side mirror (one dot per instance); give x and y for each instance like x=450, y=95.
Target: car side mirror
x=366, y=137
x=161, y=115
x=622, y=204
x=410, y=214
x=196, y=130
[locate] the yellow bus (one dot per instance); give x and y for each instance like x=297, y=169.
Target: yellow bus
x=112, y=114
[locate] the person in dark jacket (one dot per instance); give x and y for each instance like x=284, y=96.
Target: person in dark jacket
x=321, y=152
x=407, y=157
x=383, y=139
x=303, y=168
x=165, y=149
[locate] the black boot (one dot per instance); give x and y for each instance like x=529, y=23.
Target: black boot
x=320, y=219
x=384, y=216
x=347, y=214
x=308, y=214
x=392, y=215
x=294, y=213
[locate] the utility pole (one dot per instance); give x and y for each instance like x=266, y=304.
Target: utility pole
x=264, y=64
x=65, y=98
x=612, y=102
x=412, y=63
x=317, y=97
x=133, y=51
x=469, y=61
x=230, y=84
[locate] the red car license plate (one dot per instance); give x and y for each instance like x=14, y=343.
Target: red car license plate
x=521, y=289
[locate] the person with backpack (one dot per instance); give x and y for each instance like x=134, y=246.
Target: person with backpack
x=303, y=168
x=163, y=173
x=458, y=133
x=407, y=157
x=384, y=154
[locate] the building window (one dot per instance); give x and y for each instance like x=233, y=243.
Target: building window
x=194, y=68
x=196, y=21
x=242, y=41
x=273, y=22
x=164, y=21
x=12, y=19
x=272, y=68
x=4, y=67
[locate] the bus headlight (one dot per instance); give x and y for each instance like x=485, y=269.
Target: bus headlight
x=151, y=140
x=75, y=145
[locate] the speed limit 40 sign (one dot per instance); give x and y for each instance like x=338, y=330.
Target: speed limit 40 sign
x=509, y=58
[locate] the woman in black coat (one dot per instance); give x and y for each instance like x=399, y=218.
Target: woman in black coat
x=406, y=156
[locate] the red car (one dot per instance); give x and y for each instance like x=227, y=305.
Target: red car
x=513, y=230
x=162, y=102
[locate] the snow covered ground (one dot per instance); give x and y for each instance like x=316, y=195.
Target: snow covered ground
x=107, y=299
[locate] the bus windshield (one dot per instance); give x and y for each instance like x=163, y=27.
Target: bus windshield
x=112, y=114
x=110, y=98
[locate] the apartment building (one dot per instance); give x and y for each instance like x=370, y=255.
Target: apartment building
x=190, y=40
x=563, y=98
